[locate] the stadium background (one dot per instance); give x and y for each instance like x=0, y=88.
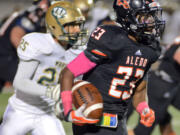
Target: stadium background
x=6, y=8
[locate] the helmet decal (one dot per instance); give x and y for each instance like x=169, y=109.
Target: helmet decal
x=59, y=12
x=154, y=4
x=124, y=3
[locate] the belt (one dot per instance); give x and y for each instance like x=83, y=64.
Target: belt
x=164, y=76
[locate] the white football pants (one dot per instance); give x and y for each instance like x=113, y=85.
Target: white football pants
x=16, y=122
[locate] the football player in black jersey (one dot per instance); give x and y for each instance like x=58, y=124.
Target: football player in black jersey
x=163, y=90
x=12, y=30
x=116, y=61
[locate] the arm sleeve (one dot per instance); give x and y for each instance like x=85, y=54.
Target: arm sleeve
x=80, y=65
x=23, y=79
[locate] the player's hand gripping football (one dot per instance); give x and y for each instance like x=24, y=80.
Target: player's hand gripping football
x=76, y=116
x=147, y=117
x=53, y=92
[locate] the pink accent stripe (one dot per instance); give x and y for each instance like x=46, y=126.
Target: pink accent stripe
x=141, y=106
x=66, y=97
x=80, y=65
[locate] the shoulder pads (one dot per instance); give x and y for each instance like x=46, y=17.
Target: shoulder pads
x=33, y=46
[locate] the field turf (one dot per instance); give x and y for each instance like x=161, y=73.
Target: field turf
x=131, y=123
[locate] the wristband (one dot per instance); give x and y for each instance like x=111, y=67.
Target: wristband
x=141, y=106
x=66, y=97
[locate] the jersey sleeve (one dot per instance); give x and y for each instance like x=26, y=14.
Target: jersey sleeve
x=31, y=48
x=103, y=44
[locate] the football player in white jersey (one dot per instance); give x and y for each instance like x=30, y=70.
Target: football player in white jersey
x=42, y=57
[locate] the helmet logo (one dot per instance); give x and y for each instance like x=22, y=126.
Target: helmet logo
x=154, y=4
x=59, y=12
x=124, y=3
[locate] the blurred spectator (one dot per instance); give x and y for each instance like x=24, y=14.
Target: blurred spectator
x=93, y=11
x=85, y=6
x=13, y=28
x=172, y=16
x=99, y=12
x=108, y=20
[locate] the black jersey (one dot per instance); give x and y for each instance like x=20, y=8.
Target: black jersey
x=7, y=48
x=121, y=65
x=169, y=65
x=21, y=20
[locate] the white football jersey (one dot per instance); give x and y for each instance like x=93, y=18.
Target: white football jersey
x=52, y=59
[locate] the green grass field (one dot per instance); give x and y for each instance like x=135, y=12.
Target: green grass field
x=131, y=123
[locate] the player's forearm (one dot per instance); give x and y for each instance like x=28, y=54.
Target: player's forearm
x=29, y=87
x=23, y=82
x=142, y=107
x=75, y=68
x=66, y=79
x=16, y=34
x=140, y=94
x=139, y=98
x=177, y=56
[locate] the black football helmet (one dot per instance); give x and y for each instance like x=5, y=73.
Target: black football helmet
x=141, y=18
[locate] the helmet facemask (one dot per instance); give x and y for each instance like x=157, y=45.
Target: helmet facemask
x=74, y=39
x=148, y=24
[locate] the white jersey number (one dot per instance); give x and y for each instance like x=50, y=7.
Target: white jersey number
x=128, y=71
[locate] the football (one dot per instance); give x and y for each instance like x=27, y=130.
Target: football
x=85, y=92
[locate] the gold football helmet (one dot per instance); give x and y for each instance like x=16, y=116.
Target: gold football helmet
x=59, y=15
x=84, y=5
